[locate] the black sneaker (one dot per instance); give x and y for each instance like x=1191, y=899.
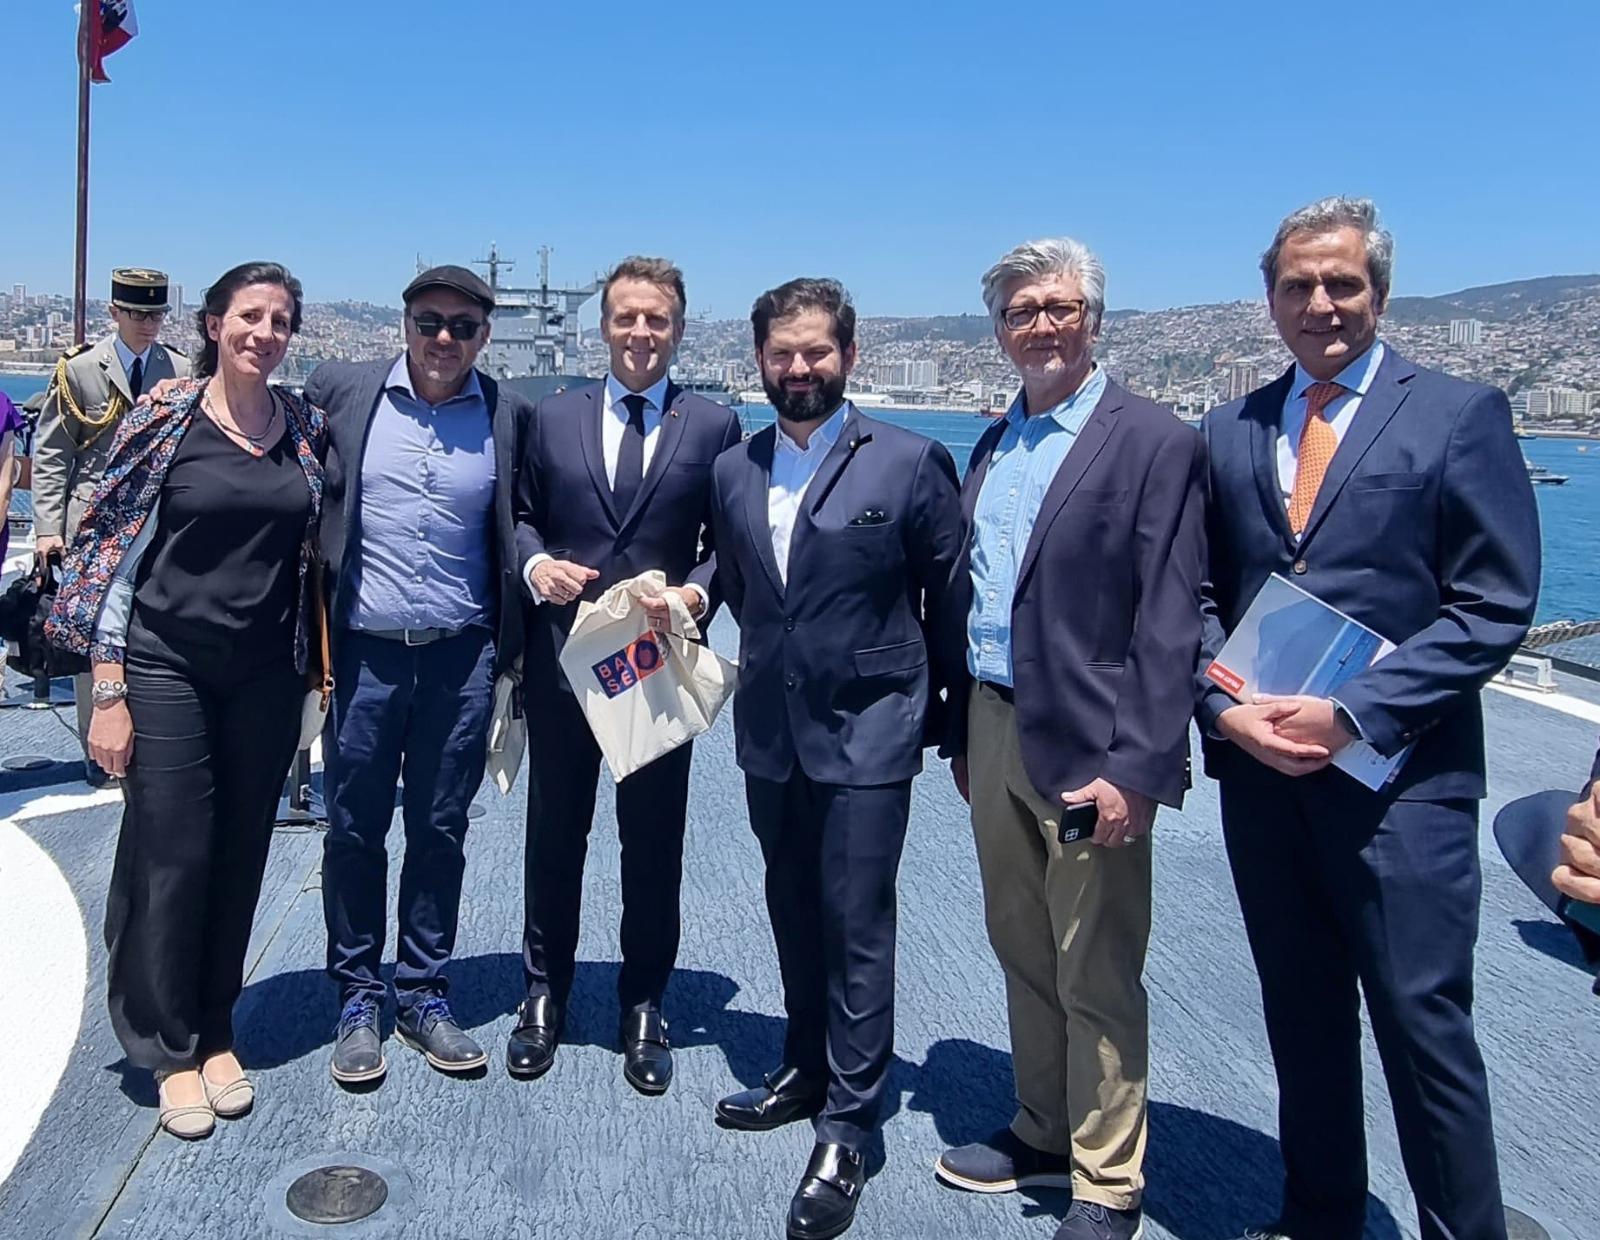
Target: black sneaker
x=1002, y=1164
x=427, y=1026
x=1089, y=1220
x=358, y=1050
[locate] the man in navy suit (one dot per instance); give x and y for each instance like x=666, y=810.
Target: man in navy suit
x=614, y=481
x=1398, y=496
x=835, y=539
x=1074, y=619
x=425, y=612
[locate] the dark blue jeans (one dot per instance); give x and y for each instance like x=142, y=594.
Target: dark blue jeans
x=421, y=713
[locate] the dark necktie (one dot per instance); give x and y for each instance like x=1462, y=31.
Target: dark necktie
x=136, y=378
x=630, y=456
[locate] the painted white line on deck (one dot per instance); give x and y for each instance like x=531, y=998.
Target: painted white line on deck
x=1567, y=705
x=44, y=958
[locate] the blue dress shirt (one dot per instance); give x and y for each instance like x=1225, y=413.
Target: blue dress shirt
x=1023, y=466
x=427, y=511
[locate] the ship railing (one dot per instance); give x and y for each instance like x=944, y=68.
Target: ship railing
x=1571, y=647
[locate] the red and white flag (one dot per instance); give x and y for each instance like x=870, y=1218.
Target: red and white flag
x=111, y=25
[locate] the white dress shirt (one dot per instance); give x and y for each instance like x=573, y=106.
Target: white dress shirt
x=126, y=356
x=613, y=421
x=1356, y=378
x=793, y=470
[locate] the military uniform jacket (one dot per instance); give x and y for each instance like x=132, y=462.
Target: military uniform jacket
x=76, y=428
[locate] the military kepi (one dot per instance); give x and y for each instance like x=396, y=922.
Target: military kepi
x=139, y=288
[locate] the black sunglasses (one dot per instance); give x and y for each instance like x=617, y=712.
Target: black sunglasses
x=462, y=326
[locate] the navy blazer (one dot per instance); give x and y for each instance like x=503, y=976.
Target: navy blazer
x=834, y=669
x=564, y=503
x=1425, y=530
x=348, y=392
x=1105, y=622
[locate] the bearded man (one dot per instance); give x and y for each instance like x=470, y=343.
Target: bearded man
x=836, y=535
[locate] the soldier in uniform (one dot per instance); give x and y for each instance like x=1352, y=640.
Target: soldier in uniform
x=93, y=386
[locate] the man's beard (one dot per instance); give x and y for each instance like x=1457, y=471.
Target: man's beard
x=808, y=406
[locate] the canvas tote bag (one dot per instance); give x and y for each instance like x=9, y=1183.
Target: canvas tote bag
x=644, y=693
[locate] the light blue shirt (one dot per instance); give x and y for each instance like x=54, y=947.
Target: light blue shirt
x=1023, y=466
x=427, y=511
x=127, y=356
x=1357, y=377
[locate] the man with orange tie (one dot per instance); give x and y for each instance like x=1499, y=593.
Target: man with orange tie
x=1398, y=496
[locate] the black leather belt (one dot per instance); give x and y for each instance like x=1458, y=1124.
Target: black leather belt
x=1003, y=692
x=413, y=637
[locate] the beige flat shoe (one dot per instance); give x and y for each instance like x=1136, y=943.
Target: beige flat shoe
x=232, y=1100
x=188, y=1122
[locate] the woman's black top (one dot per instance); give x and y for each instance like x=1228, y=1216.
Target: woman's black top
x=226, y=552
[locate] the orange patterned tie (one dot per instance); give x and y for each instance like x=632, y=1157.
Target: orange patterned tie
x=1317, y=444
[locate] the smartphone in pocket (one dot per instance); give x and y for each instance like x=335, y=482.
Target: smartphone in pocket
x=1584, y=914
x=1078, y=822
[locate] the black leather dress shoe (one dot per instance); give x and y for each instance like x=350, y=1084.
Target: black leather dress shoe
x=786, y=1097
x=825, y=1203
x=646, y=1054
x=531, y=1049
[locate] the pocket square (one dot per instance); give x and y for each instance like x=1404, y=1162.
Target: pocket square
x=872, y=516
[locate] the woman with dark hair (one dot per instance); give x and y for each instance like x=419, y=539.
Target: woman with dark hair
x=188, y=586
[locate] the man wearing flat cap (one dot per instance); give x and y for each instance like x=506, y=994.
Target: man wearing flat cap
x=420, y=564
x=92, y=388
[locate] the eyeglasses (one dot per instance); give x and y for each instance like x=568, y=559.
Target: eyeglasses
x=145, y=316
x=462, y=326
x=1060, y=313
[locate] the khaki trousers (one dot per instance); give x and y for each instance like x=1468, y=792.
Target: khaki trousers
x=1070, y=924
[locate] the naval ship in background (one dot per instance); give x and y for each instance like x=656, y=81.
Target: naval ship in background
x=536, y=338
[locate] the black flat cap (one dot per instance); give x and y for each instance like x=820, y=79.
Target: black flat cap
x=465, y=282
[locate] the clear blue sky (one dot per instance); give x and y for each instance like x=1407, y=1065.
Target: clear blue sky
x=898, y=146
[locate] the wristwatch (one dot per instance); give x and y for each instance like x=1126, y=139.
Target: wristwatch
x=109, y=691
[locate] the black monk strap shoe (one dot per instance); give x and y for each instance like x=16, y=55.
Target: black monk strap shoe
x=531, y=1049
x=825, y=1203
x=646, y=1054
x=786, y=1097
x=429, y=1027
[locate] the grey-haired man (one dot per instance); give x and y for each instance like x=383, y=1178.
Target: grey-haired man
x=1071, y=726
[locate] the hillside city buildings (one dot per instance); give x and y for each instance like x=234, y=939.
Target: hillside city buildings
x=1544, y=351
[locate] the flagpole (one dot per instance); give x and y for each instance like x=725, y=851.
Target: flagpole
x=86, y=8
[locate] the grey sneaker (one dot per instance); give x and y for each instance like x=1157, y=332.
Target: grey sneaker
x=427, y=1026
x=1003, y=1163
x=358, y=1050
x=1089, y=1220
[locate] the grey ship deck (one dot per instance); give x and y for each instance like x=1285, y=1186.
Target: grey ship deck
x=579, y=1154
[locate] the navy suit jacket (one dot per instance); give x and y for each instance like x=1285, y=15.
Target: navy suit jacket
x=1425, y=530
x=564, y=503
x=835, y=673
x=1105, y=621
x=348, y=392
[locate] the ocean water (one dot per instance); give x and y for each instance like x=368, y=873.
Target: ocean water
x=1569, y=515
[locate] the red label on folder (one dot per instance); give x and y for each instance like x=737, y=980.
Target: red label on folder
x=1231, y=681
